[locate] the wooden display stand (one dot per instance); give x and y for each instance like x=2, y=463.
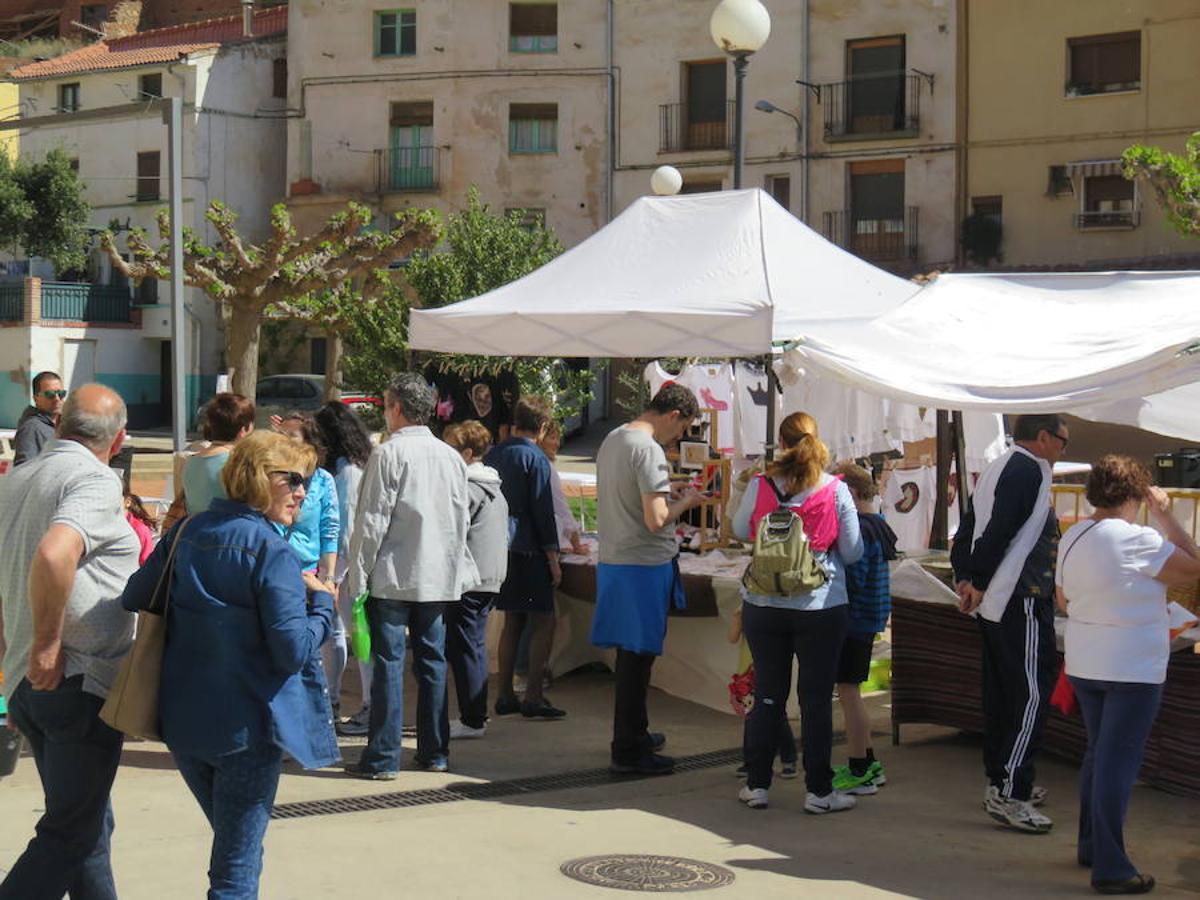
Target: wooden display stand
x=715, y=476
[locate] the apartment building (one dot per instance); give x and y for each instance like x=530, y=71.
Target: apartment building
x=1054, y=94
x=399, y=107
x=99, y=105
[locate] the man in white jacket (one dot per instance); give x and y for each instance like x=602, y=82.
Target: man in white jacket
x=1003, y=557
x=409, y=551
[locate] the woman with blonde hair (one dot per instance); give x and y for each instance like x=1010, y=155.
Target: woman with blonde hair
x=810, y=625
x=241, y=679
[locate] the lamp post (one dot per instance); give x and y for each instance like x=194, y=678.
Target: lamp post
x=768, y=107
x=739, y=28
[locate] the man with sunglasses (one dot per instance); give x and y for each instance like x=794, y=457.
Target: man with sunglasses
x=36, y=426
x=1003, y=556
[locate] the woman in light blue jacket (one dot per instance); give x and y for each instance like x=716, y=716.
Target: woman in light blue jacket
x=314, y=535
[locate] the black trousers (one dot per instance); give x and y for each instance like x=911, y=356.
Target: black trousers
x=631, y=722
x=1020, y=666
x=815, y=638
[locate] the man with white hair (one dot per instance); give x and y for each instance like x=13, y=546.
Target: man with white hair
x=66, y=552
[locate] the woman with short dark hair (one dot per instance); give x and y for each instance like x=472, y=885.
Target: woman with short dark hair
x=1112, y=580
x=225, y=419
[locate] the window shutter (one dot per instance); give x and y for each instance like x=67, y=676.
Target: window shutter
x=408, y=114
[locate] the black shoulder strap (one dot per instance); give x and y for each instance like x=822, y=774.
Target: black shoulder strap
x=1075, y=542
x=783, y=498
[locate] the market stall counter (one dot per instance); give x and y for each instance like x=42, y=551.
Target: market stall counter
x=936, y=662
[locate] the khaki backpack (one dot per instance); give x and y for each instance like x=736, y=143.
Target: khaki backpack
x=783, y=564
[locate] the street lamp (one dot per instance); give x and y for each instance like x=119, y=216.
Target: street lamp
x=666, y=181
x=739, y=28
x=768, y=107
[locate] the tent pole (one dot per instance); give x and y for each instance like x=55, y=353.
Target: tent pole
x=939, y=538
x=772, y=390
x=960, y=454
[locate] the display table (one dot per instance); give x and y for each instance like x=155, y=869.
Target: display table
x=936, y=663
x=698, y=659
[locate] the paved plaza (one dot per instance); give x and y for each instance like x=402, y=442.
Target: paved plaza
x=923, y=835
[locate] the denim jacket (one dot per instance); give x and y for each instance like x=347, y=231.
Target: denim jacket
x=242, y=666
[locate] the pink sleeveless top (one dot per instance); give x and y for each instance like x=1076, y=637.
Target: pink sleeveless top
x=818, y=512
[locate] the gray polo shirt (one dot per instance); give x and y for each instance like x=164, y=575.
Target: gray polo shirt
x=67, y=485
x=631, y=463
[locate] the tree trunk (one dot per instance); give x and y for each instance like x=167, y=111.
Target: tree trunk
x=333, y=365
x=242, y=338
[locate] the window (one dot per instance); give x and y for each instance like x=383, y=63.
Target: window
x=991, y=207
x=1059, y=184
x=147, y=176
x=529, y=217
x=533, y=128
x=68, y=97
x=780, y=188
x=279, y=78
x=533, y=27
x=875, y=93
x=316, y=355
x=701, y=187
x=147, y=292
x=411, y=154
x=877, y=208
x=706, y=109
x=1103, y=63
x=74, y=164
x=396, y=32
x=1109, y=201
x=150, y=86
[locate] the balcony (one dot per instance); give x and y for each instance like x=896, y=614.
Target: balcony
x=71, y=302
x=876, y=240
x=408, y=170
x=1107, y=219
x=869, y=107
x=678, y=134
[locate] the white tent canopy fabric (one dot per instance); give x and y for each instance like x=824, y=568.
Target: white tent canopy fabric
x=1023, y=343
x=718, y=274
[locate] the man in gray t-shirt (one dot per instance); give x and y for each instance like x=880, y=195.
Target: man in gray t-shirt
x=637, y=576
x=66, y=552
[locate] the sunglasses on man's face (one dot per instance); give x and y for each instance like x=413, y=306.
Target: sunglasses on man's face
x=1055, y=434
x=54, y=395
x=294, y=479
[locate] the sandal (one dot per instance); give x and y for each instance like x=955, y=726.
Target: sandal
x=1138, y=884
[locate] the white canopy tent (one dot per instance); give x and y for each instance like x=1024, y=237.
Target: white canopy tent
x=719, y=274
x=1116, y=347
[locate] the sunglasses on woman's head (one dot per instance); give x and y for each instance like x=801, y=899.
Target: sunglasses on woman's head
x=54, y=395
x=294, y=479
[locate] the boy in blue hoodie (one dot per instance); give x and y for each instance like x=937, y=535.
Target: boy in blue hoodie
x=869, y=588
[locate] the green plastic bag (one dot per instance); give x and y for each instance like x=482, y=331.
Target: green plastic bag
x=360, y=631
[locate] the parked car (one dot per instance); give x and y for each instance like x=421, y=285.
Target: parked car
x=277, y=395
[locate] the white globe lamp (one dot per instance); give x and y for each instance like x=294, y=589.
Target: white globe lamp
x=740, y=26
x=666, y=181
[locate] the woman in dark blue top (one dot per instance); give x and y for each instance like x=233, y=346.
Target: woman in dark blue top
x=242, y=681
x=527, y=596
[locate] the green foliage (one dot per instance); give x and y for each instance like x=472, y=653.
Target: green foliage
x=1174, y=179
x=377, y=340
x=981, y=237
x=42, y=210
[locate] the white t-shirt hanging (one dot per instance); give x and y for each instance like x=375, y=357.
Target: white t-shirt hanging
x=1117, y=621
x=983, y=439
x=656, y=376
x=908, y=506
x=750, y=408
x=713, y=387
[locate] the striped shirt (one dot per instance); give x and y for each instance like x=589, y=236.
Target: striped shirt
x=867, y=581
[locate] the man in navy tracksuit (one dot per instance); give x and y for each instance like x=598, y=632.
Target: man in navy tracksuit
x=1003, y=557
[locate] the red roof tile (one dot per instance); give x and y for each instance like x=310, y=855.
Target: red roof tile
x=161, y=45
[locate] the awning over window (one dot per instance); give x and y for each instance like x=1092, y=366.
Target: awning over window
x=1089, y=168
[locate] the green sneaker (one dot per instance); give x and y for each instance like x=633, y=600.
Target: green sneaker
x=878, y=778
x=848, y=783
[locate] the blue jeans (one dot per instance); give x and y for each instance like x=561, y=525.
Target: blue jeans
x=466, y=652
x=425, y=622
x=236, y=793
x=1118, y=716
x=76, y=756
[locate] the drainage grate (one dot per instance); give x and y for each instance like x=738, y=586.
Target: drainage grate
x=490, y=790
x=639, y=872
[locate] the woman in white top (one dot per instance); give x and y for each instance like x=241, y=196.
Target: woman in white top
x=1112, y=580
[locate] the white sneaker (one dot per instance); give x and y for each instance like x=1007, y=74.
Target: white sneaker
x=834, y=801
x=459, y=730
x=755, y=798
x=1018, y=815
x=1036, y=797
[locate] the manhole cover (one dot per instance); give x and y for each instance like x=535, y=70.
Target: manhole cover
x=636, y=872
